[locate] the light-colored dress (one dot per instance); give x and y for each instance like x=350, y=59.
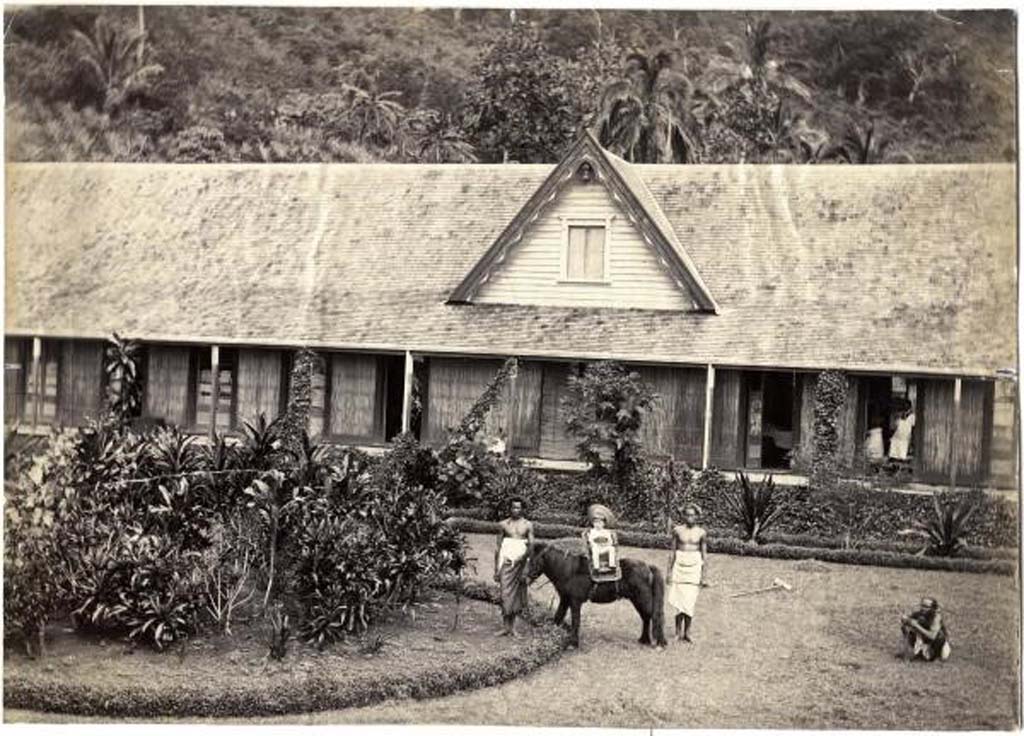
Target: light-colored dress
x=875, y=449
x=684, y=580
x=899, y=445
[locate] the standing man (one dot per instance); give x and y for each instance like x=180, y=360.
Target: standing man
x=512, y=564
x=687, y=569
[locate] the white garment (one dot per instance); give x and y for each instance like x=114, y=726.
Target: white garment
x=875, y=448
x=684, y=580
x=899, y=445
x=512, y=550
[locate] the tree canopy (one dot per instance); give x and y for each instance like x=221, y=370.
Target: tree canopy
x=461, y=85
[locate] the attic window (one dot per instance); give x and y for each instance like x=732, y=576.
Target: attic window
x=586, y=253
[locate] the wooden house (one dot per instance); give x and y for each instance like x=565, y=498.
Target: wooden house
x=729, y=288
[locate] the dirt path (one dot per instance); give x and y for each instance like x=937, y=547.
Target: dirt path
x=819, y=657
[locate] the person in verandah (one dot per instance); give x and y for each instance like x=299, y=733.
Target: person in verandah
x=512, y=563
x=924, y=633
x=687, y=569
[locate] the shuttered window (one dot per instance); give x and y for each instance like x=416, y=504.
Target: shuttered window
x=261, y=379
x=585, y=257
x=354, y=412
x=204, y=390
x=42, y=388
x=81, y=381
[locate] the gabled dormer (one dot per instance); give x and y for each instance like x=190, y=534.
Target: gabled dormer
x=592, y=235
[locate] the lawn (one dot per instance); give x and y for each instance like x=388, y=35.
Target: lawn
x=821, y=656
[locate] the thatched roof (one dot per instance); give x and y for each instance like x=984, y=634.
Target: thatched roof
x=888, y=268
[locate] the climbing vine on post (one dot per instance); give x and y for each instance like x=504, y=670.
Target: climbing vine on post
x=300, y=396
x=829, y=400
x=465, y=465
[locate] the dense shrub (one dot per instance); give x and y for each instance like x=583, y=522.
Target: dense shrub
x=604, y=410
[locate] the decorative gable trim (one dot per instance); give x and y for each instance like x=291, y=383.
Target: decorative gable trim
x=586, y=160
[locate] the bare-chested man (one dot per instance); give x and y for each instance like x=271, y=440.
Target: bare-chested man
x=686, y=570
x=512, y=564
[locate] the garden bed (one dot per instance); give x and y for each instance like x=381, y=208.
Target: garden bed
x=418, y=655
x=733, y=546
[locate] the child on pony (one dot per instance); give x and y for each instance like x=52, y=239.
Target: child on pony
x=602, y=543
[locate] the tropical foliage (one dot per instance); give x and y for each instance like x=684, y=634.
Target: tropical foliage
x=433, y=85
x=947, y=526
x=754, y=506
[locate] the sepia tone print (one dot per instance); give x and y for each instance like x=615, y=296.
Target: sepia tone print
x=524, y=367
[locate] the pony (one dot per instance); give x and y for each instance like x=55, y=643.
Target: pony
x=569, y=573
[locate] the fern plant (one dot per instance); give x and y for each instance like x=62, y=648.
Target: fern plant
x=947, y=526
x=755, y=507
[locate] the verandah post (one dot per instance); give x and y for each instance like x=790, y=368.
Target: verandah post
x=709, y=396
x=407, y=393
x=511, y=410
x=957, y=386
x=214, y=387
x=36, y=378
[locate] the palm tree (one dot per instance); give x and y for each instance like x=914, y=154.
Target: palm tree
x=427, y=136
x=374, y=114
x=113, y=58
x=652, y=113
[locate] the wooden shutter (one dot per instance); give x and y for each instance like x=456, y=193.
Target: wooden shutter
x=932, y=436
x=259, y=384
x=527, y=402
x=555, y=442
x=167, y=384
x=81, y=381
x=455, y=384
x=728, y=415
x=675, y=428
x=973, y=431
x=354, y=407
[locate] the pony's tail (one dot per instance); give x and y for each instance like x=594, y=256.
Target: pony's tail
x=658, y=604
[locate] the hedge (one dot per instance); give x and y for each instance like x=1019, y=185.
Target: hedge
x=793, y=540
x=733, y=546
x=312, y=694
x=872, y=515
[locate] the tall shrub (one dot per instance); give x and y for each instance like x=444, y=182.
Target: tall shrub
x=829, y=400
x=604, y=409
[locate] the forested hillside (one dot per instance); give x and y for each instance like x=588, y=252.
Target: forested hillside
x=186, y=84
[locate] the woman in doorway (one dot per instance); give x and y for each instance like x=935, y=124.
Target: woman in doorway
x=687, y=569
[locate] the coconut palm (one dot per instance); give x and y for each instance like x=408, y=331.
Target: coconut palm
x=427, y=136
x=112, y=57
x=652, y=113
x=374, y=115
